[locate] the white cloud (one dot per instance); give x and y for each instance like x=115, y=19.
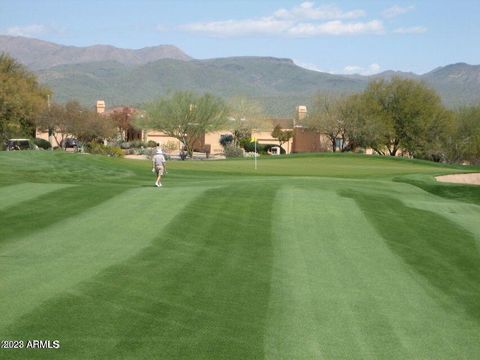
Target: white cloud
x=347, y=70
x=307, y=10
x=301, y=21
x=411, y=30
x=397, y=10
x=33, y=30
x=27, y=31
x=355, y=69
x=227, y=28
x=336, y=27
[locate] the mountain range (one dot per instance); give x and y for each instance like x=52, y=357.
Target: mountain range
x=132, y=77
x=39, y=54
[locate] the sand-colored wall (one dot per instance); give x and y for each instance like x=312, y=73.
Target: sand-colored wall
x=265, y=137
x=213, y=139
x=44, y=135
x=162, y=139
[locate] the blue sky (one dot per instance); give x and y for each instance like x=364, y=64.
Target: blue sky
x=333, y=36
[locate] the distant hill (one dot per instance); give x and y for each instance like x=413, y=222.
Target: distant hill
x=278, y=83
x=458, y=84
x=389, y=74
x=39, y=54
x=133, y=77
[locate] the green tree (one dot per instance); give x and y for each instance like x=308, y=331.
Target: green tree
x=73, y=120
x=326, y=117
x=21, y=99
x=54, y=120
x=356, y=130
x=282, y=136
x=94, y=127
x=405, y=114
x=464, y=141
x=185, y=116
x=124, y=119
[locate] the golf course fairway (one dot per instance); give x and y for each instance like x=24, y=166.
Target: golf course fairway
x=309, y=257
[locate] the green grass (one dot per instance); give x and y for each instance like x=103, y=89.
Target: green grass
x=311, y=256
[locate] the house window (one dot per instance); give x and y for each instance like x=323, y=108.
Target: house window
x=339, y=143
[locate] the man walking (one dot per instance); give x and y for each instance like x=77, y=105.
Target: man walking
x=158, y=165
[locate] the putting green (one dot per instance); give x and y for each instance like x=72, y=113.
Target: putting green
x=309, y=257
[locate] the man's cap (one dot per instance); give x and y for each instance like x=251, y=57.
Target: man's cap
x=159, y=151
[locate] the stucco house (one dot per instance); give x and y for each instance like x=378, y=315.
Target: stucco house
x=303, y=140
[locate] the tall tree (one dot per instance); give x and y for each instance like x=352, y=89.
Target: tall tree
x=185, y=116
x=405, y=113
x=54, y=119
x=73, y=120
x=282, y=136
x=464, y=140
x=124, y=119
x=21, y=99
x=326, y=117
x=245, y=115
x=355, y=132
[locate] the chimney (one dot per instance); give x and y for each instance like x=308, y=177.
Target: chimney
x=100, y=106
x=300, y=114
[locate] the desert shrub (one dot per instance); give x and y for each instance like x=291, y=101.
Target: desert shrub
x=245, y=143
x=95, y=148
x=138, y=144
x=231, y=151
x=250, y=147
x=226, y=139
x=125, y=145
x=100, y=149
x=262, y=148
x=114, y=151
x=143, y=151
x=42, y=143
x=151, y=143
x=268, y=147
x=170, y=146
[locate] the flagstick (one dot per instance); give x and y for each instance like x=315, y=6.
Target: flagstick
x=255, y=155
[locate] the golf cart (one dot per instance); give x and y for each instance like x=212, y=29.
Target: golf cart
x=18, y=144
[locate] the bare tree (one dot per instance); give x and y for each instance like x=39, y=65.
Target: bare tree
x=326, y=117
x=245, y=115
x=73, y=120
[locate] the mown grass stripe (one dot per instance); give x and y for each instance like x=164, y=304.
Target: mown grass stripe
x=338, y=291
x=199, y=291
x=225, y=277
x=45, y=263
x=13, y=195
x=30, y=217
x=443, y=253
x=314, y=311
